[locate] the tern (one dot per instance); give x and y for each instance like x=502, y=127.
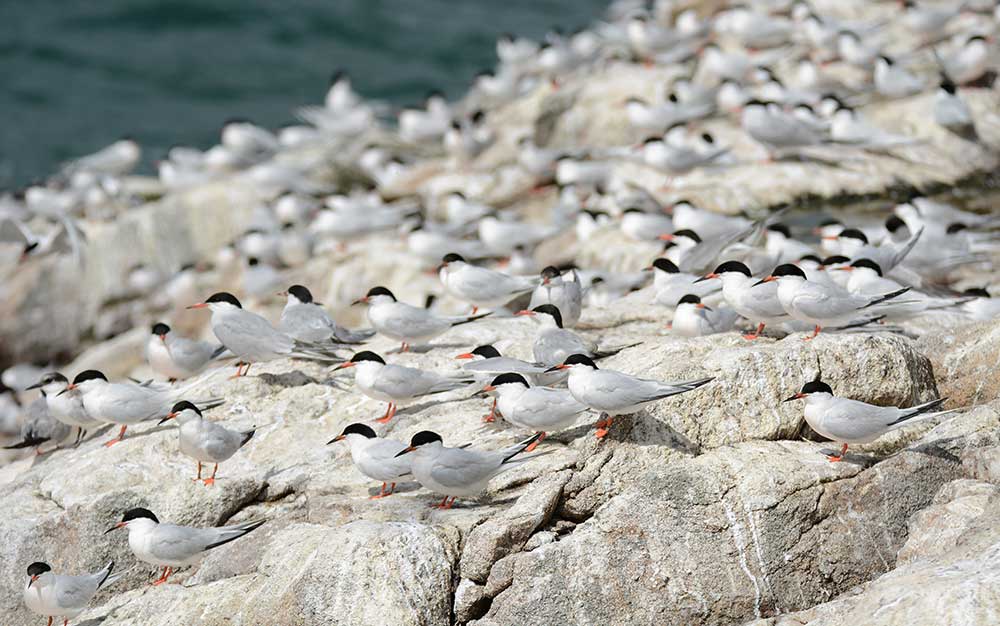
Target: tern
x=170, y=546
x=205, y=441
x=175, y=357
x=479, y=286
x=614, y=393
x=454, y=472
x=375, y=457
x=538, y=409
x=51, y=595
x=852, y=421
x=396, y=383
x=306, y=320
x=404, y=322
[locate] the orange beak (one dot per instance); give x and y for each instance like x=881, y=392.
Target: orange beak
x=335, y=439
x=360, y=301
x=116, y=527
x=797, y=396
x=405, y=450
x=200, y=305
x=666, y=237
x=465, y=355
x=829, y=238
x=525, y=312
x=846, y=268
x=489, y=388
x=344, y=365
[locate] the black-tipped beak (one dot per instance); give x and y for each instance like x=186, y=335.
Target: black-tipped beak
x=169, y=417
x=360, y=301
x=33, y=579
x=766, y=279
x=704, y=306
x=797, y=396
x=335, y=439
x=116, y=527
x=35, y=386
x=556, y=368
x=707, y=277
x=406, y=450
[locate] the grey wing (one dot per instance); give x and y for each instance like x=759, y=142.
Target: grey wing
x=180, y=543
x=14, y=231
x=385, y=451
x=553, y=402
x=626, y=390
x=552, y=347
x=457, y=467
x=854, y=419
x=300, y=320
x=190, y=354
x=253, y=334
x=818, y=304
x=503, y=364
x=396, y=379
x=221, y=443
x=414, y=322
x=73, y=592
x=477, y=281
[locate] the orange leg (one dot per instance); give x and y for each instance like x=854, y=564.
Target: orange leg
x=389, y=413
x=752, y=336
x=121, y=435
x=813, y=336
x=405, y=347
x=211, y=481
x=603, y=426
x=492, y=416
x=65, y=622
x=167, y=571
x=383, y=493
x=50, y=622
x=199, y=473
x=534, y=444
x=443, y=504
x=840, y=457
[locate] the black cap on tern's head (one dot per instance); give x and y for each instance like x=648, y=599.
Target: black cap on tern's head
x=551, y=272
x=509, y=378
x=424, y=437
x=979, y=292
x=360, y=429
x=366, y=355
x=893, y=223
x=380, y=291
x=184, y=405
x=811, y=387
x=253, y=261
x=888, y=60
x=778, y=227
x=48, y=379
x=733, y=266
x=139, y=513
x=574, y=359
x=451, y=257
x=836, y=259
x=872, y=265
x=550, y=309
x=224, y=297
x=160, y=329
x=854, y=233
x=89, y=375
x=687, y=232
x=38, y=568
x=487, y=352
x=957, y=227
x=689, y=299
x=301, y=293
x=811, y=257
x=787, y=269
x=830, y=222
x=666, y=265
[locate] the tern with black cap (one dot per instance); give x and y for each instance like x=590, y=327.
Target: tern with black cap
x=61, y=595
x=615, y=393
x=848, y=421
x=175, y=357
x=757, y=303
x=170, y=546
x=540, y=410
x=481, y=287
x=454, y=472
x=304, y=319
x=397, y=383
x=407, y=323
x=375, y=457
x=203, y=440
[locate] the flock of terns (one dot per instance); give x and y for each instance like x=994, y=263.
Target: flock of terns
x=792, y=77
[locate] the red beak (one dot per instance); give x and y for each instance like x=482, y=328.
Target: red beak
x=489, y=388
x=200, y=305
x=666, y=237
x=345, y=365
x=465, y=355
x=525, y=312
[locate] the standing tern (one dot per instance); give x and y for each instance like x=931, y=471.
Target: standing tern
x=614, y=393
x=253, y=339
x=175, y=357
x=565, y=295
x=51, y=595
x=757, y=303
x=396, y=383
x=479, y=286
x=128, y=403
x=454, y=472
x=553, y=343
x=375, y=457
x=169, y=546
x=952, y=113
x=822, y=304
x=404, y=322
x=205, y=441
x=671, y=284
x=65, y=407
x=852, y=421
x=693, y=318
x=538, y=409
x=305, y=320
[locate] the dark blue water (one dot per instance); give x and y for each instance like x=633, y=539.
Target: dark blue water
x=78, y=75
